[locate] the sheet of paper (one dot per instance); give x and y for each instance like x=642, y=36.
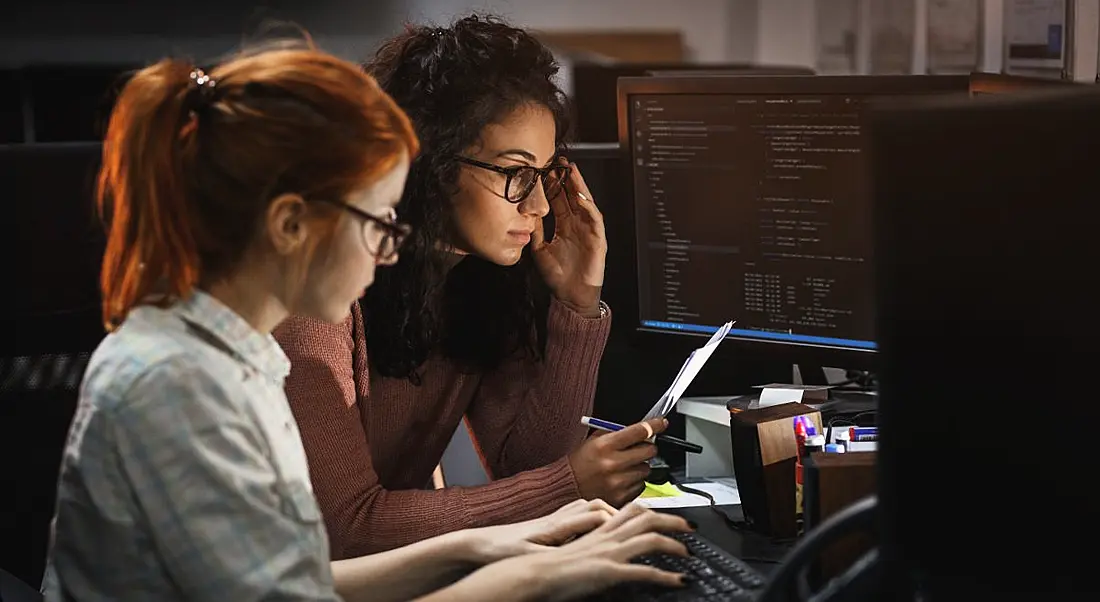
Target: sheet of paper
x=723, y=495
x=688, y=371
x=774, y=396
x=658, y=408
x=662, y=403
x=694, y=365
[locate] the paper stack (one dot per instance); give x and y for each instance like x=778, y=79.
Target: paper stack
x=688, y=371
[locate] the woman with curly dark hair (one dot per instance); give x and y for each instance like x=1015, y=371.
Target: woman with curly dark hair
x=482, y=317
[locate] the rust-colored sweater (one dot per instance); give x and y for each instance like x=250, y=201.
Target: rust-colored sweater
x=372, y=442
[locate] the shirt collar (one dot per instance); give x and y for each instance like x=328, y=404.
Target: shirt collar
x=261, y=351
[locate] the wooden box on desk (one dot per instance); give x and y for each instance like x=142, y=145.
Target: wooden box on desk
x=833, y=482
x=764, y=452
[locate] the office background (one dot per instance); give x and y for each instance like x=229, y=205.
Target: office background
x=782, y=32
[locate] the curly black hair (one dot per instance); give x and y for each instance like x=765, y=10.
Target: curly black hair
x=453, y=82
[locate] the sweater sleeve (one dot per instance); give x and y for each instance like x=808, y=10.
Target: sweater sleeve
x=328, y=381
x=527, y=414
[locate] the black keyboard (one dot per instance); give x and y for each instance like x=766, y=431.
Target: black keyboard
x=714, y=575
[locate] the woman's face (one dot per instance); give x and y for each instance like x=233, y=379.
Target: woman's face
x=340, y=272
x=485, y=223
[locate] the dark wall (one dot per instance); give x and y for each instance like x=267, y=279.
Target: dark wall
x=64, y=31
x=192, y=18
x=49, y=323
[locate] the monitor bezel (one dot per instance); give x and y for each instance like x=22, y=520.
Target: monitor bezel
x=889, y=85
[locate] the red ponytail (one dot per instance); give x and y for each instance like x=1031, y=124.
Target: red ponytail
x=150, y=246
x=182, y=191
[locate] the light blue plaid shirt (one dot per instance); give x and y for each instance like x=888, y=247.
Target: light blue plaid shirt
x=184, y=476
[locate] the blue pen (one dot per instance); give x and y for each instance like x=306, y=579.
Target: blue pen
x=602, y=425
x=607, y=425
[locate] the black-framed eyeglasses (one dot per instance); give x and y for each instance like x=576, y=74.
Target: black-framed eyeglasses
x=521, y=179
x=394, y=233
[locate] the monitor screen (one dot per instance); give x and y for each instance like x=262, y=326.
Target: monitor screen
x=752, y=204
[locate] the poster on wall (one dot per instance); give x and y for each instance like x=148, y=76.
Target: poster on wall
x=954, y=36
x=1035, y=35
x=837, y=35
x=892, y=26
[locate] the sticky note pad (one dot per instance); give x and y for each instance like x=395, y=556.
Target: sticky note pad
x=662, y=490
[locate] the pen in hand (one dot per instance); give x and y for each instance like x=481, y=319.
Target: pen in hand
x=607, y=425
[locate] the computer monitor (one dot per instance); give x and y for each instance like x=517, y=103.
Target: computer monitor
x=751, y=204
x=986, y=320
x=593, y=97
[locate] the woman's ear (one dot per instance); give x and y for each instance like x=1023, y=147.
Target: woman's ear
x=286, y=226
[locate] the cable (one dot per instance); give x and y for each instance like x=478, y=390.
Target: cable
x=857, y=380
x=737, y=525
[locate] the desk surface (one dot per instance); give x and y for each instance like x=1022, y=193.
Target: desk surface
x=759, y=551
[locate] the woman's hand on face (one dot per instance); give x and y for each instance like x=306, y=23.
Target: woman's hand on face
x=573, y=263
x=589, y=564
x=490, y=544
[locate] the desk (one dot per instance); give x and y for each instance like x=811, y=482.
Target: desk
x=759, y=551
x=707, y=422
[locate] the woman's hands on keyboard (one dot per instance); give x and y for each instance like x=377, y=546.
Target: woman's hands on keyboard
x=602, y=558
x=490, y=544
x=586, y=565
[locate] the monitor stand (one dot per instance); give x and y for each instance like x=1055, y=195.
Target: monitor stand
x=812, y=374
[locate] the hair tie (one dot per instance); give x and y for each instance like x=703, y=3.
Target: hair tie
x=201, y=93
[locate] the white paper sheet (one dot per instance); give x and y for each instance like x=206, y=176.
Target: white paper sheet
x=688, y=371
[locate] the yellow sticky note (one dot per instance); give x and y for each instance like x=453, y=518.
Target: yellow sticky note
x=662, y=490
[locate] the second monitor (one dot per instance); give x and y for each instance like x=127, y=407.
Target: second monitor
x=751, y=203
